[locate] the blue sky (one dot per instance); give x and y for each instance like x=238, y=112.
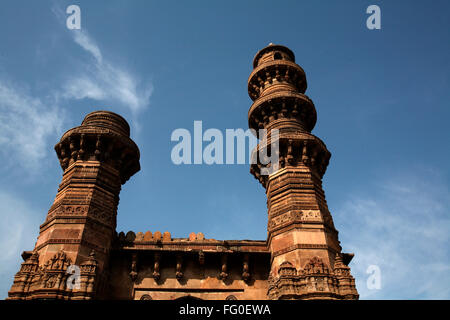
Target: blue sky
x=382, y=98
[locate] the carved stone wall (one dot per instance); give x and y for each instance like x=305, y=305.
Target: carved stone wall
x=196, y=267
x=53, y=279
x=97, y=158
x=300, y=227
x=300, y=259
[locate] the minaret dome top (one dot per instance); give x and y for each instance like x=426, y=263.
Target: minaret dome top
x=273, y=52
x=107, y=119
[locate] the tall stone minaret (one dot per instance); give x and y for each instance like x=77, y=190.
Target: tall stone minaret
x=97, y=158
x=306, y=262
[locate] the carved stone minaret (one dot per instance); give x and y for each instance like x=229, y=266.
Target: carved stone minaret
x=97, y=158
x=306, y=257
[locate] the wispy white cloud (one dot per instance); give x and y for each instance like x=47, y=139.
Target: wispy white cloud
x=88, y=44
x=404, y=229
x=18, y=232
x=99, y=79
x=30, y=123
x=27, y=123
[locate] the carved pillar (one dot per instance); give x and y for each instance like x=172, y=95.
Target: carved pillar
x=178, y=272
x=97, y=158
x=300, y=227
x=245, y=268
x=156, y=269
x=223, y=275
x=133, y=271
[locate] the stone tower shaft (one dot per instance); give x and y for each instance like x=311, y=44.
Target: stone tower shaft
x=97, y=158
x=300, y=259
x=300, y=227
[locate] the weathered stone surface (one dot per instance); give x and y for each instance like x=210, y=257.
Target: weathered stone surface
x=139, y=236
x=148, y=236
x=157, y=236
x=130, y=236
x=300, y=259
x=192, y=236
x=301, y=235
x=97, y=158
x=200, y=236
x=166, y=236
